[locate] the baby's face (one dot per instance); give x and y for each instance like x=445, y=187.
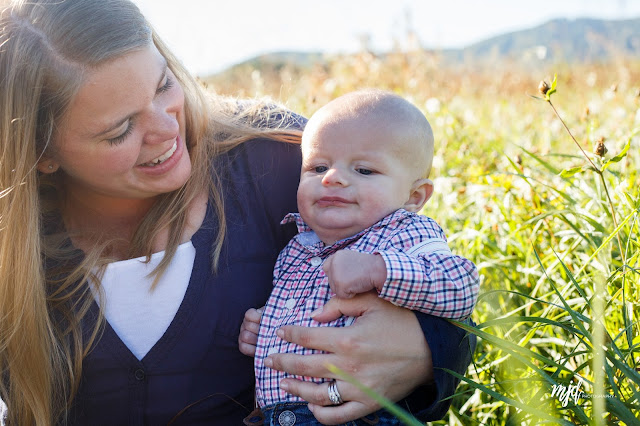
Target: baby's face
x=353, y=175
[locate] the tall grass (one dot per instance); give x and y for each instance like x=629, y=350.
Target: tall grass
x=552, y=226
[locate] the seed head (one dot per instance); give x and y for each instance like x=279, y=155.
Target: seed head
x=543, y=87
x=600, y=150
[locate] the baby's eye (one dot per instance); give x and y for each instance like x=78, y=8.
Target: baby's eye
x=364, y=171
x=320, y=169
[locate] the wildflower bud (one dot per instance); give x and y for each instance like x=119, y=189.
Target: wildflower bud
x=543, y=87
x=600, y=150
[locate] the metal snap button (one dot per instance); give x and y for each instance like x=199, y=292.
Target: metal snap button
x=287, y=418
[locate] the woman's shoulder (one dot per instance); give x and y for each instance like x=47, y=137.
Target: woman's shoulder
x=267, y=114
x=265, y=165
x=259, y=131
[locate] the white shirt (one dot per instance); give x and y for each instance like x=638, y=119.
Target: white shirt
x=137, y=314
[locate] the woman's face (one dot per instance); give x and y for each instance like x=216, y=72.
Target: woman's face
x=123, y=136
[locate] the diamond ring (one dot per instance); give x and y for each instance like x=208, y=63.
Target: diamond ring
x=334, y=395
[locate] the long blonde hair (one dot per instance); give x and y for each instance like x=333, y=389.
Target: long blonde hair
x=46, y=46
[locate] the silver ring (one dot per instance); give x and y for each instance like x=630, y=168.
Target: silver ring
x=334, y=395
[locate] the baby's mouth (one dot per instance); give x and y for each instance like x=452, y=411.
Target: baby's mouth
x=333, y=201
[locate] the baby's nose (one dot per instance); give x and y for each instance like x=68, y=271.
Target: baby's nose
x=334, y=176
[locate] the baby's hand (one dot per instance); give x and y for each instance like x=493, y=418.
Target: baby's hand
x=248, y=338
x=351, y=272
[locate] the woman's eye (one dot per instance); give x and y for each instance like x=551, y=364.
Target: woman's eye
x=120, y=138
x=364, y=171
x=320, y=169
x=168, y=85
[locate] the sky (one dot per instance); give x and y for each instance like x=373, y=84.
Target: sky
x=211, y=35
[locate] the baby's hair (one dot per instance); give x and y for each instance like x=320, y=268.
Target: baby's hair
x=386, y=107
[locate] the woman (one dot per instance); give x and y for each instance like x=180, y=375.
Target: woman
x=139, y=221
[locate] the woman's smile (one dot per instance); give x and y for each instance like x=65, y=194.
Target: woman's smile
x=165, y=162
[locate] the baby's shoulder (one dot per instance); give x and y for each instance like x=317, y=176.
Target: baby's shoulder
x=412, y=228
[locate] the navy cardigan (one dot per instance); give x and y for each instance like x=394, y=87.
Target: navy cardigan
x=195, y=371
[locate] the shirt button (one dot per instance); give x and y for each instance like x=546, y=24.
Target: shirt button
x=139, y=374
x=290, y=303
x=315, y=261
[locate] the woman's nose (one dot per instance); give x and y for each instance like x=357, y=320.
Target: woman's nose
x=163, y=126
x=334, y=176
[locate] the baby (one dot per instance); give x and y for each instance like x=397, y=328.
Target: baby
x=366, y=158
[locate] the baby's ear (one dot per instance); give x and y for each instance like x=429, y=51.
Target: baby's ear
x=421, y=191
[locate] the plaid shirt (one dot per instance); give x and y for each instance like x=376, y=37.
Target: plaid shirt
x=422, y=275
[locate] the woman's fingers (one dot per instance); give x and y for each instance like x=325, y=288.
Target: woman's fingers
x=247, y=341
x=248, y=337
x=339, y=414
x=247, y=349
x=319, y=338
x=251, y=327
x=314, y=393
x=320, y=404
x=302, y=365
x=252, y=316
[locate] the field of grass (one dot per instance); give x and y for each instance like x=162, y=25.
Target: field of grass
x=552, y=226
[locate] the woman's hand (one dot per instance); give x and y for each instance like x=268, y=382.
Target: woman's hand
x=384, y=350
x=248, y=337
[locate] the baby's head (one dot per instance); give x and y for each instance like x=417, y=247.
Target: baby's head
x=364, y=155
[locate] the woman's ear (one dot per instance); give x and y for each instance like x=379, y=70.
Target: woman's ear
x=47, y=166
x=421, y=191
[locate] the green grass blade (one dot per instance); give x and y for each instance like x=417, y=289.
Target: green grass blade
x=507, y=400
x=401, y=414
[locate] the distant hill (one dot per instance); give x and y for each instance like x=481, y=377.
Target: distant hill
x=559, y=40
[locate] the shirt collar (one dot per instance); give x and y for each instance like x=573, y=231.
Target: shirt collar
x=389, y=220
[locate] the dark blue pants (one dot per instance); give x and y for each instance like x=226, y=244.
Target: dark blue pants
x=297, y=413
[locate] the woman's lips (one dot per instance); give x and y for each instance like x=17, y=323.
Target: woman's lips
x=166, y=163
x=333, y=202
x=162, y=158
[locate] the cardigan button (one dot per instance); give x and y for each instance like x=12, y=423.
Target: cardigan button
x=139, y=374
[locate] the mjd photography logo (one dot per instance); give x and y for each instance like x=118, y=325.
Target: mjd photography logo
x=563, y=393
x=573, y=391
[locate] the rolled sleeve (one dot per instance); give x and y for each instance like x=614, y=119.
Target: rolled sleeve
x=434, y=283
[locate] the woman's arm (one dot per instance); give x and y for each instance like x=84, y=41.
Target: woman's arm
x=392, y=363
x=451, y=348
